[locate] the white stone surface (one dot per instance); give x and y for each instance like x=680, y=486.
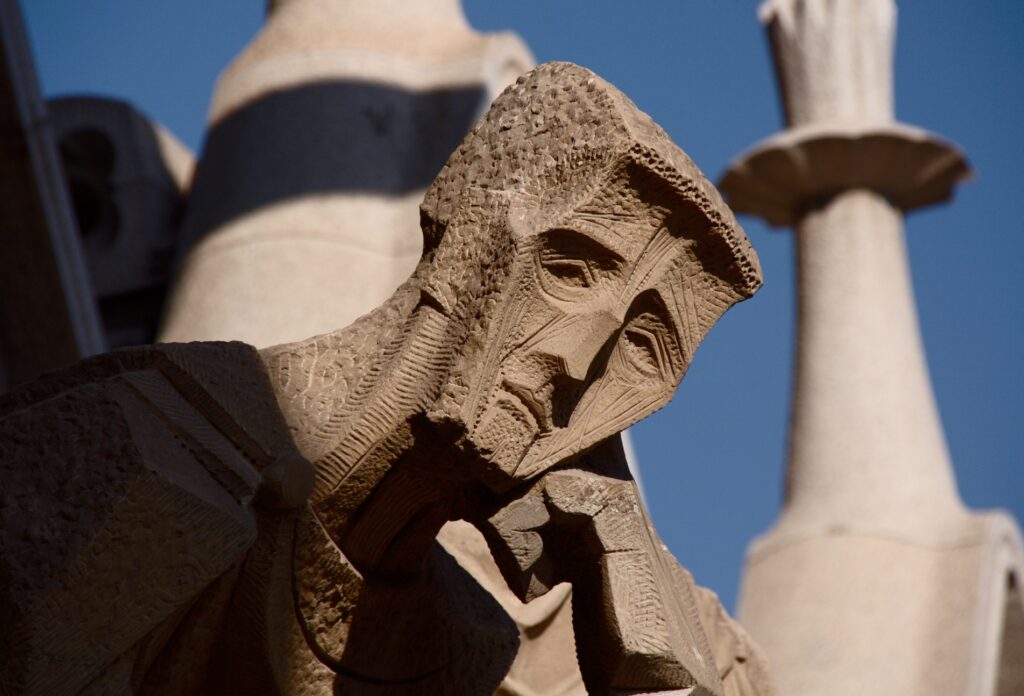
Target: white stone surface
x=257, y=247
x=866, y=444
x=833, y=58
x=876, y=578
x=909, y=166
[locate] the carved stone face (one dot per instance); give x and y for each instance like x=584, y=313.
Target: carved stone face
x=594, y=332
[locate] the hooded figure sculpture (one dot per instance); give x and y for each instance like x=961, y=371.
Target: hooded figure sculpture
x=282, y=505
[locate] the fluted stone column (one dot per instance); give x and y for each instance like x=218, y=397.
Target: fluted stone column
x=876, y=578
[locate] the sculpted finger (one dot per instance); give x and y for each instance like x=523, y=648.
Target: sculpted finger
x=514, y=535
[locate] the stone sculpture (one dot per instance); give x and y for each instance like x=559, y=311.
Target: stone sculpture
x=382, y=94
x=203, y=517
x=876, y=577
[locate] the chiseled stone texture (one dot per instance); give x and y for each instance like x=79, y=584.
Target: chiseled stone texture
x=281, y=502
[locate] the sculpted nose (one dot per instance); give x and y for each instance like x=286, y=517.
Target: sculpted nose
x=578, y=344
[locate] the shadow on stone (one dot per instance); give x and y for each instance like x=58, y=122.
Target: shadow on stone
x=443, y=630
x=398, y=139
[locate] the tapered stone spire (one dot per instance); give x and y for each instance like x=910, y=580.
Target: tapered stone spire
x=876, y=578
x=324, y=133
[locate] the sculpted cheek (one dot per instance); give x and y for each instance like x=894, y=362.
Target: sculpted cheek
x=504, y=434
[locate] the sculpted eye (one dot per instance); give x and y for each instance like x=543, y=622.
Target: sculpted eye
x=572, y=272
x=571, y=262
x=642, y=351
x=647, y=345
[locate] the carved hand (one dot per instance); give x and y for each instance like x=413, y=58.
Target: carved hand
x=636, y=625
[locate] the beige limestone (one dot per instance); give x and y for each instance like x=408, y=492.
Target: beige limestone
x=339, y=253
x=875, y=579
x=429, y=47
x=170, y=546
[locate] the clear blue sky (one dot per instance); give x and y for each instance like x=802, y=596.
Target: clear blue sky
x=712, y=461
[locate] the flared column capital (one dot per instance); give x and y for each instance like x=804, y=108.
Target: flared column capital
x=783, y=176
x=834, y=64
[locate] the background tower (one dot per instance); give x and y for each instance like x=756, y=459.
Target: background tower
x=323, y=135
x=875, y=578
